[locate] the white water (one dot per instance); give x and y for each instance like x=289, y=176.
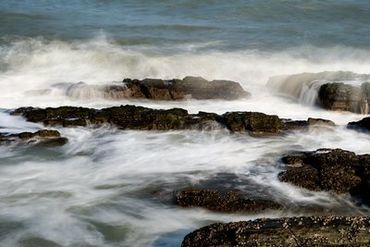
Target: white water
x=113, y=188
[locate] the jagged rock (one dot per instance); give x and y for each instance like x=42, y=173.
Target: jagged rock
x=141, y=118
x=283, y=232
x=46, y=137
x=334, y=170
x=221, y=201
x=362, y=125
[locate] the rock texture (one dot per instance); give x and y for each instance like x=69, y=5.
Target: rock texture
x=48, y=137
x=293, y=232
x=332, y=90
x=154, y=89
x=221, y=201
x=334, y=170
x=345, y=97
x=141, y=118
x=189, y=87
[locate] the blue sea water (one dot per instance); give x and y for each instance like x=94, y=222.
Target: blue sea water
x=239, y=24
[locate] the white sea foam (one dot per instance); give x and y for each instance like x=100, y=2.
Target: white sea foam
x=105, y=187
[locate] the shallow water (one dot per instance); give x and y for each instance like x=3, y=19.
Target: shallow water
x=114, y=188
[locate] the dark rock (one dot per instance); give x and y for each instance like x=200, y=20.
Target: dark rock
x=141, y=118
x=362, y=125
x=334, y=170
x=44, y=137
x=331, y=90
x=215, y=200
x=189, y=87
x=306, y=124
x=344, y=97
x=253, y=122
x=294, y=232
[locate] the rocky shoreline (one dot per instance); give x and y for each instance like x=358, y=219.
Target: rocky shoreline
x=331, y=170
x=142, y=118
x=293, y=232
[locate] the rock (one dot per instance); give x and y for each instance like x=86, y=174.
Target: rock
x=156, y=89
x=175, y=89
x=215, y=200
x=343, y=97
x=306, y=124
x=253, y=122
x=44, y=137
x=362, y=125
x=294, y=232
x=334, y=170
x=141, y=118
x=331, y=90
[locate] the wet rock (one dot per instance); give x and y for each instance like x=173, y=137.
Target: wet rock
x=189, y=87
x=294, y=232
x=306, y=124
x=142, y=118
x=334, y=170
x=253, y=122
x=156, y=89
x=332, y=90
x=362, y=125
x=44, y=137
x=344, y=97
x=221, y=201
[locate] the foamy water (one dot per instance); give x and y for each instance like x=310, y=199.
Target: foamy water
x=108, y=187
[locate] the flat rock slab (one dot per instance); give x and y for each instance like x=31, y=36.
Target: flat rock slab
x=294, y=232
x=142, y=118
x=221, y=201
x=335, y=170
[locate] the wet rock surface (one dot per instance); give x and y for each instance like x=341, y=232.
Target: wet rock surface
x=221, y=201
x=298, y=231
x=141, y=118
x=331, y=90
x=189, y=87
x=334, y=170
x=345, y=97
x=362, y=125
x=44, y=137
x=154, y=89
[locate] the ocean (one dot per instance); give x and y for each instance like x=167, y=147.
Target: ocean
x=108, y=187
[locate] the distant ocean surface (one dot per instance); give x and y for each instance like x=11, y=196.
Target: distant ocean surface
x=111, y=188
x=236, y=25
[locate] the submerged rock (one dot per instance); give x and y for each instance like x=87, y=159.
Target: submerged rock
x=294, y=232
x=362, y=125
x=44, y=136
x=334, y=170
x=141, y=118
x=221, y=201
